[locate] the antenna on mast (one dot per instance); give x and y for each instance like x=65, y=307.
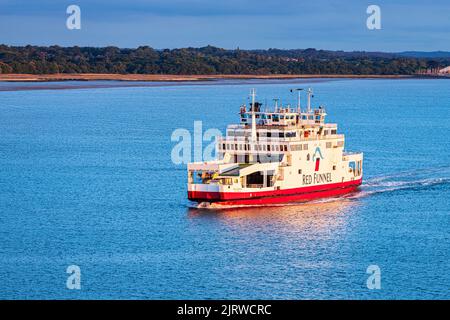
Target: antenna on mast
x=276, y=104
x=298, y=98
x=253, y=94
x=310, y=95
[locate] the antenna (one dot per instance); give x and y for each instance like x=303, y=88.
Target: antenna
x=253, y=94
x=310, y=95
x=276, y=104
x=298, y=97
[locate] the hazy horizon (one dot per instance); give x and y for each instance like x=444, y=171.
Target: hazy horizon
x=249, y=49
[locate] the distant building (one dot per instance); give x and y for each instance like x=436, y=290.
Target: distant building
x=445, y=70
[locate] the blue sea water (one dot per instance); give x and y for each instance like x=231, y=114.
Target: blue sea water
x=86, y=179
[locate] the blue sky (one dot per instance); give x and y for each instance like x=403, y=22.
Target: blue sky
x=248, y=24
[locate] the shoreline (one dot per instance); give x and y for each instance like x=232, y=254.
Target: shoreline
x=181, y=78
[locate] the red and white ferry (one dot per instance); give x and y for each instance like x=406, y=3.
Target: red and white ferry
x=276, y=156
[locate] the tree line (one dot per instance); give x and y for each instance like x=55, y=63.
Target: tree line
x=206, y=60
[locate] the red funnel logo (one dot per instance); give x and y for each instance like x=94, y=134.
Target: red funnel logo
x=316, y=157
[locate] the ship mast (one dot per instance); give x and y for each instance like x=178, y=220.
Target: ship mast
x=310, y=92
x=276, y=104
x=253, y=94
x=298, y=98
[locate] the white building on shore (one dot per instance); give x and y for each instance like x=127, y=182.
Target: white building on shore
x=445, y=70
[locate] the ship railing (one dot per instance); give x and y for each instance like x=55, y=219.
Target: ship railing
x=274, y=139
x=236, y=126
x=351, y=153
x=354, y=155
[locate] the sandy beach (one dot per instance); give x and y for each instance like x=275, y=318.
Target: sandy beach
x=169, y=77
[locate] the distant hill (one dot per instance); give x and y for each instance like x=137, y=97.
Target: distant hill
x=211, y=60
x=422, y=54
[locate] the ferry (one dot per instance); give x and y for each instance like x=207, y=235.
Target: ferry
x=276, y=156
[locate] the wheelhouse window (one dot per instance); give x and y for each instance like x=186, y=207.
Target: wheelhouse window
x=291, y=134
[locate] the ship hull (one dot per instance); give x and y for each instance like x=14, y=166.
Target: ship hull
x=302, y=194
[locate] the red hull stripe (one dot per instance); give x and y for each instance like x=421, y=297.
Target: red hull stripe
x=289, y=199
x=276, y=196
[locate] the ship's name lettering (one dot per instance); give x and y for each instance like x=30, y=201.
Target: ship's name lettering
x=316, y=178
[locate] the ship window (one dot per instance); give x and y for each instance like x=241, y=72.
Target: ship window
x=307, y=157
x=303, y=117
x=240, y=147
x=223, y=146
x=290, y=134
x=268, y=147
x=310, y=117
x=227, y=181
x=334, y=167
x=299, y=171
x=264, y=147
x=352, y=166
x=325, y=132
x=328, y=145
x=281, y=117
x=333, y=131
x=228, y=146
x=305, y=146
